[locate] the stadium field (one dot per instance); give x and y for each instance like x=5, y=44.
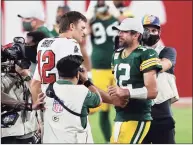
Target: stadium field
x=182, y=114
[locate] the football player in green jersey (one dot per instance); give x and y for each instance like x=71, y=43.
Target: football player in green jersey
x=102, y=38
x=135, y=69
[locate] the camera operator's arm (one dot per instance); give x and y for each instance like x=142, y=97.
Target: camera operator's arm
x=35, y=85
x=8, y=101
x=20, y=105
x=25, y=73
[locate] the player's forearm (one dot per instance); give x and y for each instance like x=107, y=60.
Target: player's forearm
x=103, y=95
x=35, y=89
x=87, y=63
x=150, y=80
x=106, y=98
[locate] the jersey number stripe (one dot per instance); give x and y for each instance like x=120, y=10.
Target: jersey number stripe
x=49, y=56
x=101, y=34
x=124, y=77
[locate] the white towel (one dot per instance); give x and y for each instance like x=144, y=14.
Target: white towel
x=167, y=88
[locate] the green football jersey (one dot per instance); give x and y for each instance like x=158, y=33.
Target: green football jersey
x=129, y=73
x=102, y=39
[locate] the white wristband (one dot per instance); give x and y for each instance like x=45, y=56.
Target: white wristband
x=139, y=93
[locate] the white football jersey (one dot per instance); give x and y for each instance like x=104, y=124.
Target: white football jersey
x=49, y=52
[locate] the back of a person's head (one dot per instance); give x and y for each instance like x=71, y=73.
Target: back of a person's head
x=65, y=8
x=37, y=36
x=68, y=18
x=68, y=66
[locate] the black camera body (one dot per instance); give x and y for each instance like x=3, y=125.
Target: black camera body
x=14, y=53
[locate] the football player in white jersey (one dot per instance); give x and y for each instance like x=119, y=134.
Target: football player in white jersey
x=72, y=29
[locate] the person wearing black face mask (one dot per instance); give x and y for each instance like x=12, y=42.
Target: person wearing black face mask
x=61, y=10
x=32, y=40
x=162, y=130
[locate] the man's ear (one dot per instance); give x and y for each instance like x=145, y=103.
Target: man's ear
x=137, y=35
x=72, y=26
x=159, y=32
x=77, y=76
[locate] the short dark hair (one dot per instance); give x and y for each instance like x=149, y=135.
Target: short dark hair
x=68, y=66
x=68, y=18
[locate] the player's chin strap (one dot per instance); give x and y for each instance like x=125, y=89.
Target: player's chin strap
x=51, y=93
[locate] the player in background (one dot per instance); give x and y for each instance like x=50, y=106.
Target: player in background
x=102, y=39
x=135, y=69
x=124, y=11
x=61, y=10
x=162, y=130
x=34, y=20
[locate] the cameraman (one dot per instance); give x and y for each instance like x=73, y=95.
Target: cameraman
x=14, y=78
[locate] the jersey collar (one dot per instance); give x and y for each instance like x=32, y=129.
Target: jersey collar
x=64, y=82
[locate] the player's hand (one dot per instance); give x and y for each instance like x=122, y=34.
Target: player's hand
x=83, y=74
x=120, y=97
x=39, y=104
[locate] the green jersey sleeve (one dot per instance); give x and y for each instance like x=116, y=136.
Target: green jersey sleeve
x=150, y=61
x=92, y=100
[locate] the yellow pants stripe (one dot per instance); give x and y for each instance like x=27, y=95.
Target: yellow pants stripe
x=131, y=132
x=146, y=129
x=138, y=132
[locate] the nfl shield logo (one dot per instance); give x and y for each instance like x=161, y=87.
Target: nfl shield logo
x=57, y=107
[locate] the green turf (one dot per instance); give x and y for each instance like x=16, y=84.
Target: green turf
x=183, y=118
